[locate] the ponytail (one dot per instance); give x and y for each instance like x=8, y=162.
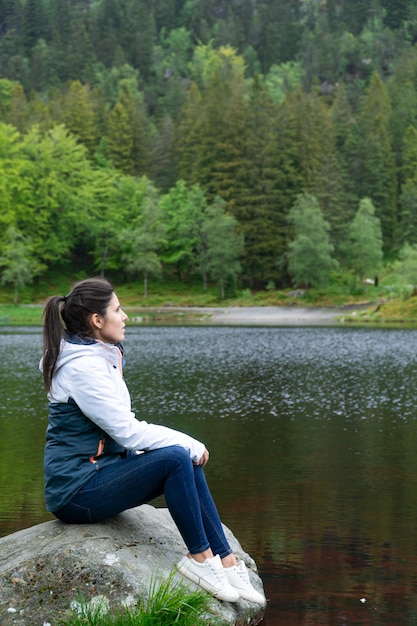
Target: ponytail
x=72, y=313
x=53, y=332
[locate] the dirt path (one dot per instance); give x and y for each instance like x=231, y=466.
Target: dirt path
x=271, y=315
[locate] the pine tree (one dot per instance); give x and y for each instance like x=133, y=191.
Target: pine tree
x=139, y=35
x=407, y=220
x=119, y=140
x=348, y=146
x=379, y=181
x=261, y=208
x=106, y=33
x=403, y=97
x=79, y=113
x=162, y=166
x=280, y=31
x=34, y=23
x=211, y=137
x=43, y=66
x=186, y=147
x=126, y=135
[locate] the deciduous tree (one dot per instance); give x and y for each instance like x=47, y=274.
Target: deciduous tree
x=310, y=259
x=183, y=212
x=224, y=245
x=144, y=239
x=365, y=241
x=17, y=265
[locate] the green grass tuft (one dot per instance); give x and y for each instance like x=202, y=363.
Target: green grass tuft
x=169, y=602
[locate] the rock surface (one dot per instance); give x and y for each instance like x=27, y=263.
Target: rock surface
x=46, y=567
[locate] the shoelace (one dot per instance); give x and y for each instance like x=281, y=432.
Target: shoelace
x=220, y=574
x=244, y=576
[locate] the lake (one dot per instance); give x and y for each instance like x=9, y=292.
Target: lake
x=313, y=441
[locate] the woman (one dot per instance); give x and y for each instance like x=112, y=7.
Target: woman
x=100, y=460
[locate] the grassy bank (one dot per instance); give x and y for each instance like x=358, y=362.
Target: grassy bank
x=386, y=303
x=396, y=311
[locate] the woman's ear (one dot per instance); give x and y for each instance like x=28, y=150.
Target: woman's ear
x=96, y=321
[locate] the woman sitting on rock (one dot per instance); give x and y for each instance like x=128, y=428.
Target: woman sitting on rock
x=100, y=460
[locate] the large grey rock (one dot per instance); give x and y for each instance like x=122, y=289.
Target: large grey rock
x=45, y=568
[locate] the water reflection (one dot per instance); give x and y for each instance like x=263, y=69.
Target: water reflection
x=312, y=433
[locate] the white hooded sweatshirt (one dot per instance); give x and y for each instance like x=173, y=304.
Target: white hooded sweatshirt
x=91, y=374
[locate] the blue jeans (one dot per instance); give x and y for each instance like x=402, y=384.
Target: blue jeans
x=138, y=479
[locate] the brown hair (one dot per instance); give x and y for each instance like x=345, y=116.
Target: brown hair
x=73, y=313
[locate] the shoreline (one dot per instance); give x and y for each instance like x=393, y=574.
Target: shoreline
x=274, y=315
x=245, y=316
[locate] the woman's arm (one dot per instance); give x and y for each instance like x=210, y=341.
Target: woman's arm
x=102, y=396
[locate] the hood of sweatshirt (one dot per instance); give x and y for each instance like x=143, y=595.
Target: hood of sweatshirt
x=76, y=346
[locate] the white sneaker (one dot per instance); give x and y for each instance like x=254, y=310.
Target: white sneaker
x=209, y=575
x=238, y=577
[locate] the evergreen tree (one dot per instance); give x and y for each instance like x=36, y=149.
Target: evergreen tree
x=279, y=33
x=396, y=12
x=222, y=131
x=17, y=109
x=348, y=146
x=186, y=140
x=379, y=181
x=80, y=114
x=140, y=35
x=34, y=23
x=106, y=26
x=126, y=133
x=162, y=157
x=170, y=65
x=211, y=140
x=354, y=15
x=43, y=74
x=260, y=208
x=119, y=140
x=310, y=259
x=407, y=222
x=403, y=97
x=11, y=16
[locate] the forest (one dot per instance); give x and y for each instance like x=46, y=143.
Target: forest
x=259, y=143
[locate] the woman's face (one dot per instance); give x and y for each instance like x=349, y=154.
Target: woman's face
x=111, y=327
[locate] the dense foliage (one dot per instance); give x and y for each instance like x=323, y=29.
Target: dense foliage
x=128, y=127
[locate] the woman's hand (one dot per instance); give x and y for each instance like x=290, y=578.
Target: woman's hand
x=204, y=459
